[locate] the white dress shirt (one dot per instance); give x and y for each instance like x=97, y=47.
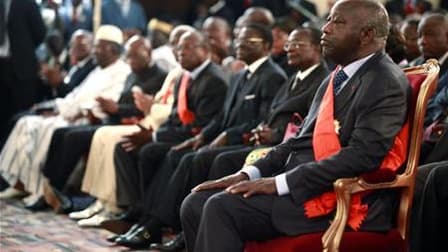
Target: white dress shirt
x=105, y=82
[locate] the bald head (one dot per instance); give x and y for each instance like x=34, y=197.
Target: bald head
x=216, y=24
x=177, y=32
x=433, y=36
x=219, y=36
x=137, y=41
x=138, y=53
x=371, y=15
x=192, y=50
x=81, y=44
x=259, y=15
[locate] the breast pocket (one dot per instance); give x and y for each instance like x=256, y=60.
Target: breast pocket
x=249, y=108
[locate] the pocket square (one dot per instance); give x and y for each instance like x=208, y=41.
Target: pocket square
x=249, y=97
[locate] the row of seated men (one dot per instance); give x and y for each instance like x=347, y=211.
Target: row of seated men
x=197, y=125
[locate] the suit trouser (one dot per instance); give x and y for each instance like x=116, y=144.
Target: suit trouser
x=192, y=170
x=217, y=221
x=66, y=148
x=17, y=94
x=229, y=162
x=135, y=170
x=438, y=151
x=429, y=219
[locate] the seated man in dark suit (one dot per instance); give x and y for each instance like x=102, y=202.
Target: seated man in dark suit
x=247, y=104
x=304, y=52
x=430, y=207
x=68, y=144
x=199, y=95
x=353, y=121
x=291, y=103
x=433, y=43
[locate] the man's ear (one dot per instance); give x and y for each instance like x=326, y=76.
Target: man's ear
x=266, y=47
x=367, y=35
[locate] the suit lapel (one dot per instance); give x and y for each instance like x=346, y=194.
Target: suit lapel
x=232, y=98
x=346, y=94
x=248, y=88
x=312, y=114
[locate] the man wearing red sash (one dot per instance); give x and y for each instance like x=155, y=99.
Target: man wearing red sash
x=351, y=129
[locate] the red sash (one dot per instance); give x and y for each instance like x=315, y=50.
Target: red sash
x=326, y=143
x=186, y=116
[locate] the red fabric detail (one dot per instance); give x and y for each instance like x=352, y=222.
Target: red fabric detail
x=351, y=241
x=185, y=115
x=293, y=127
x=168, y=92
x=409, y=7
x=325, y=139
x=195, y=131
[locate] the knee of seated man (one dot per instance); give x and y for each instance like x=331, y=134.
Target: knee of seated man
x=220, y=202
x=190, y=206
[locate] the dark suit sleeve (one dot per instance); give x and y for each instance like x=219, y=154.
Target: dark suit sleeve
x=269, y=87
x=215, y=126
x=36, y=24
x=299, y=103
x=377, y=120
x=211, y=95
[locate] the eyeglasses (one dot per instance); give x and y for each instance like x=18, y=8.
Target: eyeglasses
x=295, y=45
x=248, y=41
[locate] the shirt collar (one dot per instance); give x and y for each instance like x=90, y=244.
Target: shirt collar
x=443, y=58
x=83, y=62
x=195, y=73
x=256, y=64
x=353, y=67
x=303, y=74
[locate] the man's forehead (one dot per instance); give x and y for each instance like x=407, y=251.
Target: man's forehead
x=347, y=8
x=300, y=34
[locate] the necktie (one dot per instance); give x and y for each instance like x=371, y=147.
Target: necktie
x=185, y=115
x=339, y=78
x=296, y=82
x=75, y=15
x=2, y=22
x=243, y=80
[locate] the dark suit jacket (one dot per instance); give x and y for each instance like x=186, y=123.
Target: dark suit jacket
x=150, y=81
x=247, y=103
x=26, y=31
x=371, y=109
x=77, y=77
x=205, y=97
x=287, y=101
x=434, y=107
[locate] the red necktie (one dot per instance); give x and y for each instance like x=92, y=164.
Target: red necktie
x=186, y=116
x=168, y=91
x=325, y=139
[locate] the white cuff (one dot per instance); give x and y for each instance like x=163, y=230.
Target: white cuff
x=154, y=136
x=281, y=184
x=251, y=171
